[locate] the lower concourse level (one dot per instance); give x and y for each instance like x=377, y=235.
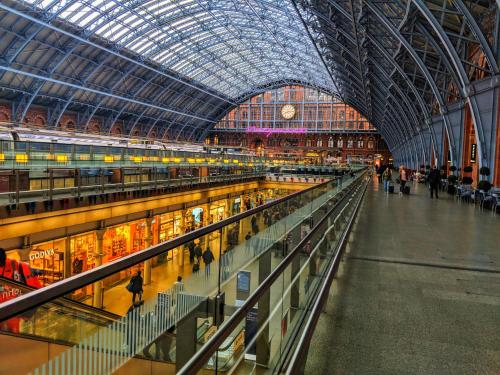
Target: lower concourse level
x=69, y=242
x=418, y=291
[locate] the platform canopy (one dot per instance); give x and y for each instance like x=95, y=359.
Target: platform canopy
x=173, y=68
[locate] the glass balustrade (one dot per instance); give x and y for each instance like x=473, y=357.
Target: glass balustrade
x=225, y=261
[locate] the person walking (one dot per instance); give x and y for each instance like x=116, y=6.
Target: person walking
x=191, y=245
x=434, y=180
x=255, y=226
x=208, y=257
x=197, y=252
x=178, y=285
x=402, y=179
x=378, y=172
x=135, y=286
x=247, y=242
x=387, y=177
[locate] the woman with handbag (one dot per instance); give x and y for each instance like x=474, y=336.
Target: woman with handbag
x=135, y=286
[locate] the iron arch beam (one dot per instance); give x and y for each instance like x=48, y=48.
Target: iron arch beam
x=464, y=80
x=396, y=34
x=113, y=52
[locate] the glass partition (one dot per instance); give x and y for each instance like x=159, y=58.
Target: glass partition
x=221, y=265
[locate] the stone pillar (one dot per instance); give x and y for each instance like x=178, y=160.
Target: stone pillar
x=99, y=253
x=148, y=243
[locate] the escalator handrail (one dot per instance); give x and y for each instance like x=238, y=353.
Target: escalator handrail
x=73, y=304
x=60, y=288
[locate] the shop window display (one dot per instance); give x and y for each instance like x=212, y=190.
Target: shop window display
x=116, y=243
x=170, y=226
x=217, y=212
x=47, y=260
x=82, y=251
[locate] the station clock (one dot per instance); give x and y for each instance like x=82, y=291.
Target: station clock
x=288, y=111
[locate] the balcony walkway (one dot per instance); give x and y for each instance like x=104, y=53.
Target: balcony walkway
x=417, y=293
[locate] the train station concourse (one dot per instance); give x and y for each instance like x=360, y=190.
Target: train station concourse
x=249, y=187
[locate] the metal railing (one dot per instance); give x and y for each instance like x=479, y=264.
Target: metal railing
x=310, y=204
x=61, y=288
x=202, y=357
x=95, y=189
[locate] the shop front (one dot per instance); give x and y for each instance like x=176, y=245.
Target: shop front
x=83, y=250
x=194, y=218
x=166, y=227
x=47, y=260
x=170, y=226
x=217, y=211
x=119, y=241
x=236, y=206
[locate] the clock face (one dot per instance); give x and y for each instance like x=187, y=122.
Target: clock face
x=288, y=111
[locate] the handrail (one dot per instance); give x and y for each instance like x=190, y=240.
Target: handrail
x=174, y=182
x=203, y=355
x=60, y=288
x=77, y=305
x=297, y=360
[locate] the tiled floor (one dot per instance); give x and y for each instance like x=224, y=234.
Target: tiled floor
x=418, y=291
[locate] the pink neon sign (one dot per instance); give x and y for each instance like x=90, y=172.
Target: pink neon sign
x=268, y=131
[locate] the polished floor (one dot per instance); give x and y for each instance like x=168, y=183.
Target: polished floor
x=418, y=291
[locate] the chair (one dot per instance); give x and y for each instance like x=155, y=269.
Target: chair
x=466, y=193
x=495, y=196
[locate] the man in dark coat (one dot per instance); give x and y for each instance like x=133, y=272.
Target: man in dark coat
x=434, y=180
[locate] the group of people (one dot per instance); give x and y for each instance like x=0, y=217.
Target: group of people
x=196, y=255
x=384, y=174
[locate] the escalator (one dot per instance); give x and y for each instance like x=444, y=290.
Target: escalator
x=57, y=326
x=45, y=322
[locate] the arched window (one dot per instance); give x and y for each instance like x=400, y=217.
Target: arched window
x=330, y=142
x=308, y=142
x=319, y=142
x=370, y=144
x=340, y=143
x=350, y=143
x=360, y=144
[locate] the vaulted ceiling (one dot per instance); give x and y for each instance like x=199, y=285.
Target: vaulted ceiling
x=174, y=67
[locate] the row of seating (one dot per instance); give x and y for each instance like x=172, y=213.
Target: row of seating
x=485, y=199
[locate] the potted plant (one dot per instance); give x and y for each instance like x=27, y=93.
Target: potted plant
x=484, y=171
x=453, y=168
x=468, y=169
x=467, y=180
x=484, y=185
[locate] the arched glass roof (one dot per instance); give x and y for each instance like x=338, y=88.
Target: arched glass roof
x=230, y=46
x=173, y=68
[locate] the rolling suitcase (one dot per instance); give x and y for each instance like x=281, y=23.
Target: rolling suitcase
x=391, y=189
x=406, y=190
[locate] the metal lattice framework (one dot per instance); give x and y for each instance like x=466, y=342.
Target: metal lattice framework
x=173, y=68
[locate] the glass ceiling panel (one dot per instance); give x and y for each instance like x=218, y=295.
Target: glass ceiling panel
x=231, y=46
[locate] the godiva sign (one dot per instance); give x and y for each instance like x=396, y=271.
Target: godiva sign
x=41, y=254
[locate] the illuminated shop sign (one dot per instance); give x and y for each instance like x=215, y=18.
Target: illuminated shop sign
x=41, y=254
x=473, y=151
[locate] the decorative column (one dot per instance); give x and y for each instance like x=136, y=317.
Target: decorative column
x=99, y=253
x=148, y=242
